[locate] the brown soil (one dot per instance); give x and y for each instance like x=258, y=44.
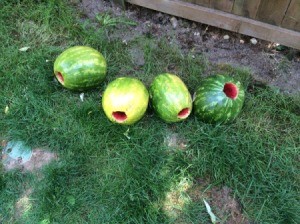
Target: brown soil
x=223, y=204
x=280, y=69
x=39, y=158
x=23, y=205
x=174, y=142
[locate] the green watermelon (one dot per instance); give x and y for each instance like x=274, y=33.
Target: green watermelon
x=80, y=68
x=219, y=99
x=170, y=98
x=125, y=100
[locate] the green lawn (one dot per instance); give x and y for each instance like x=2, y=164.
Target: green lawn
x=108, y=173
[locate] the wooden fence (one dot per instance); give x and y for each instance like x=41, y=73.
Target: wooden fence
x=272, y=20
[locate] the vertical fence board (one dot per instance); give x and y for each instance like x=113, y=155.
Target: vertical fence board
x=224, y=5
x=202, y=2
x=292, y=17
x=272, y=11
x=247, y=8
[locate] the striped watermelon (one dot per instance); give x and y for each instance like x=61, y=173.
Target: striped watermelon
x=125, y=100
x=170, y=98
x=219, y=99
x=80, y=67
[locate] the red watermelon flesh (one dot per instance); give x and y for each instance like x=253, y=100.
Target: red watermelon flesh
x=231, y=90
x=184, y=113
x=119, y=116
x=60, y=77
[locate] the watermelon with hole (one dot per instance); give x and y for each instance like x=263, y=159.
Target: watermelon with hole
x=80, y=68
x=219, y=99
x=125, y=100
x=170, y=98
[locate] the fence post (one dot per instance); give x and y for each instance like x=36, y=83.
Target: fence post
x=120, y=3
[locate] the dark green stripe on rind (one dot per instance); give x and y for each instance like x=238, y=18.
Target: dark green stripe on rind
x=82, y=67
x=169, y=95
x=211, y=103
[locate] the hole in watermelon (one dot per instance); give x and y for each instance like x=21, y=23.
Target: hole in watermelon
x=230, y=90
x=119, y=116
x=60, y=77
x=184, y=113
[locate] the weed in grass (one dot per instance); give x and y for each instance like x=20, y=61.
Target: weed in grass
x=107, y=20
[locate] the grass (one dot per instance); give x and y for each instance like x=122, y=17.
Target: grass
x=102, y=176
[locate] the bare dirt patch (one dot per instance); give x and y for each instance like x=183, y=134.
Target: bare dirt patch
x=23, y=205
x=276, y=67
x=39, y=158
x=174, y=142
x=224, y=205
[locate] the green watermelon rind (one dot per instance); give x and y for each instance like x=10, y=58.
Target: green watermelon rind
x=82, y=68
x=126, y=94
x=169, y=95
x=212, y=105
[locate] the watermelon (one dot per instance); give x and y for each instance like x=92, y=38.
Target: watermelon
x=219, y=99
x=80, y=68
x=125, y=100
x=170, y=98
